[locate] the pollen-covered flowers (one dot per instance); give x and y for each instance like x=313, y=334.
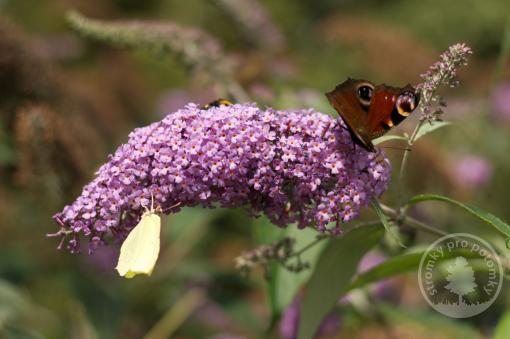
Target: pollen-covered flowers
x=295, y=167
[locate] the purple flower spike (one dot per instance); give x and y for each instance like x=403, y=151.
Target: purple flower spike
x=295, y=167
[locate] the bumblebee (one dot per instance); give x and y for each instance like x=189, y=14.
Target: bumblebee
x=218, y=103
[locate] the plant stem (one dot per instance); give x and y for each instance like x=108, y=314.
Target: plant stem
x=403, y=165
x=177, y=314
x=321, y=237
x=413, y=222
x=436, y=231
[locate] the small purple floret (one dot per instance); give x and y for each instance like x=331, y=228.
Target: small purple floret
x=295, y=167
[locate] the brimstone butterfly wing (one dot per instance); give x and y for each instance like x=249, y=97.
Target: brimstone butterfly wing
x=140, y=250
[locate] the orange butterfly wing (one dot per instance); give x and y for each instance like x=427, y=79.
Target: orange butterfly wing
x=384, y=113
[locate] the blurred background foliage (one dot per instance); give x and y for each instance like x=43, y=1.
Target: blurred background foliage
x=67, y=101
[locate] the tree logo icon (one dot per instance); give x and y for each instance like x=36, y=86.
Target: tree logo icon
x=461, y=278
x=460, y=275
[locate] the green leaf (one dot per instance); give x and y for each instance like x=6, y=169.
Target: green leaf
x=386, y=223
x=21, y=315
x=428, y=324
x=400, y=264
x=333, y=272
x=429, y=127
x=502, y=330
x=80, y=324
x=385, y=138
x=477, y=212
x=196, y=218
x=391, y=267
x=283, y=284
x=287, y=283
x=265, y=232
x=183, y=231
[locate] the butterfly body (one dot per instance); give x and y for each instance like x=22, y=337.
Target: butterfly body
x=369, y=110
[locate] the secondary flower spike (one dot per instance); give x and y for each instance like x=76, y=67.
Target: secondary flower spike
x=295, y=167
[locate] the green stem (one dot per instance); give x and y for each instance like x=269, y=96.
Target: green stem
x=436, y=231
x=177, y=314
x=321, y=237
x=412, y=221
x=403, y=166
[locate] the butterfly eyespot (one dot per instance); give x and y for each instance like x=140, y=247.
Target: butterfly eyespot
x=406, y=103
x=365, y=94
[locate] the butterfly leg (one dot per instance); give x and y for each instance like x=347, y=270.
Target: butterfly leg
x=342, y=125
x=325, y=130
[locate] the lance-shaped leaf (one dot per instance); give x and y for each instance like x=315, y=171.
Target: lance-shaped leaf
x=385, y=138
x=333, y=274
x=487, y=217
x=429, y=127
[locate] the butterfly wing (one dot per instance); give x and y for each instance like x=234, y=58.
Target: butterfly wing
x=389, y=106
x=354, y=112
x=140, y=250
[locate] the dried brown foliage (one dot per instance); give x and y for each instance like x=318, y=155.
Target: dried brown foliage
x=58, y=130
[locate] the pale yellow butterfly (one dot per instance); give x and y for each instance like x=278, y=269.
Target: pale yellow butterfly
x=140, y=250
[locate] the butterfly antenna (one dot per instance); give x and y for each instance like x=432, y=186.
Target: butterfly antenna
x=171, y=207
x=398, y=148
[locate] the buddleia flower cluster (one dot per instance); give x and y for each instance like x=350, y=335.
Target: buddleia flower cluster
x=293, y=166
x=441, y=73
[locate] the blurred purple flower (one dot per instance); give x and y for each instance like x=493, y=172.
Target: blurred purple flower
x=369, y=261
x=295, y=167
x=386, y=289
x=500, y=102
x=471, y=172
x=289, y=323
x=213, y=316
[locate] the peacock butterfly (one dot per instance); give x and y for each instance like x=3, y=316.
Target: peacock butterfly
x=369, y=111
